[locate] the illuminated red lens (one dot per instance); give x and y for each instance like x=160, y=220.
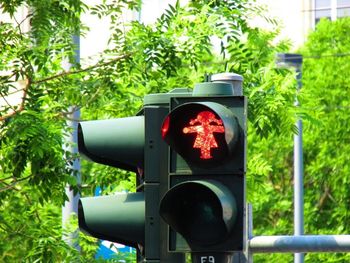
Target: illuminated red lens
x=165, y=126
x=204, y=125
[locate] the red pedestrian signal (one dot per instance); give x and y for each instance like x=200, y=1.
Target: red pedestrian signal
x=203, y=133
x=204, y=125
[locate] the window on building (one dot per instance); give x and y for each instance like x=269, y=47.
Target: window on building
x=343, y=8
x=331, y=9
x=323, y=9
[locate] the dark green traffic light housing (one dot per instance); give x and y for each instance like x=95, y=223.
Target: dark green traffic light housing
x=133, y=144
x=188, y=150
x=117, y=218
x=205, y=202
x=115, y=142
x=118, y=143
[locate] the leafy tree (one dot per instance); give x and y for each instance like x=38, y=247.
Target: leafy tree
x=326, y=144
x=324, y=101
x=175, y=51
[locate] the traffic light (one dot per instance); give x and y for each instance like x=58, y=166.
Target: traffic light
x=197, y=185
x=135, y=145
x=204, y=204
x=118, y=143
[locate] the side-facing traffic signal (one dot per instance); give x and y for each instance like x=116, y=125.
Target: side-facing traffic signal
x=118, y=143
x=132, y=144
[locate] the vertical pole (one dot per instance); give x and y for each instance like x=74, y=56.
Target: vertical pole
x=333, y=10
x=298, y=177
x=71, y=206
x=295, y=61
x=249, y=233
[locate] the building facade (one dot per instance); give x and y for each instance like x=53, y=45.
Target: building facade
x=298, y=17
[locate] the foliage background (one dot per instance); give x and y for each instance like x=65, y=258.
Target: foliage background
x=175, y=51
x=325, y=112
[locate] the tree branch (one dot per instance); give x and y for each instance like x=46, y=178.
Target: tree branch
x=29, y=15
x=323, y=198
x=72, y=72
x=60, y=75
x=14, y=183
x=21, y=106
x=31, y=203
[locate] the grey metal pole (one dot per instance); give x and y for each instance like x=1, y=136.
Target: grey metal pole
x=304, y=243
x=71, y=206
x=298, y=176
x=295, y=61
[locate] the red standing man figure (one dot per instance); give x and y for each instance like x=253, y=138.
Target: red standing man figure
x=205, y=124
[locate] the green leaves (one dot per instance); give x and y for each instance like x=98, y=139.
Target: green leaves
x=326, y=98
x=324, y=110
x=176, y=51
x=33, y=154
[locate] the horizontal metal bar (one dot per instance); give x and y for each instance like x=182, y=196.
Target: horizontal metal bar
x=302, y=243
